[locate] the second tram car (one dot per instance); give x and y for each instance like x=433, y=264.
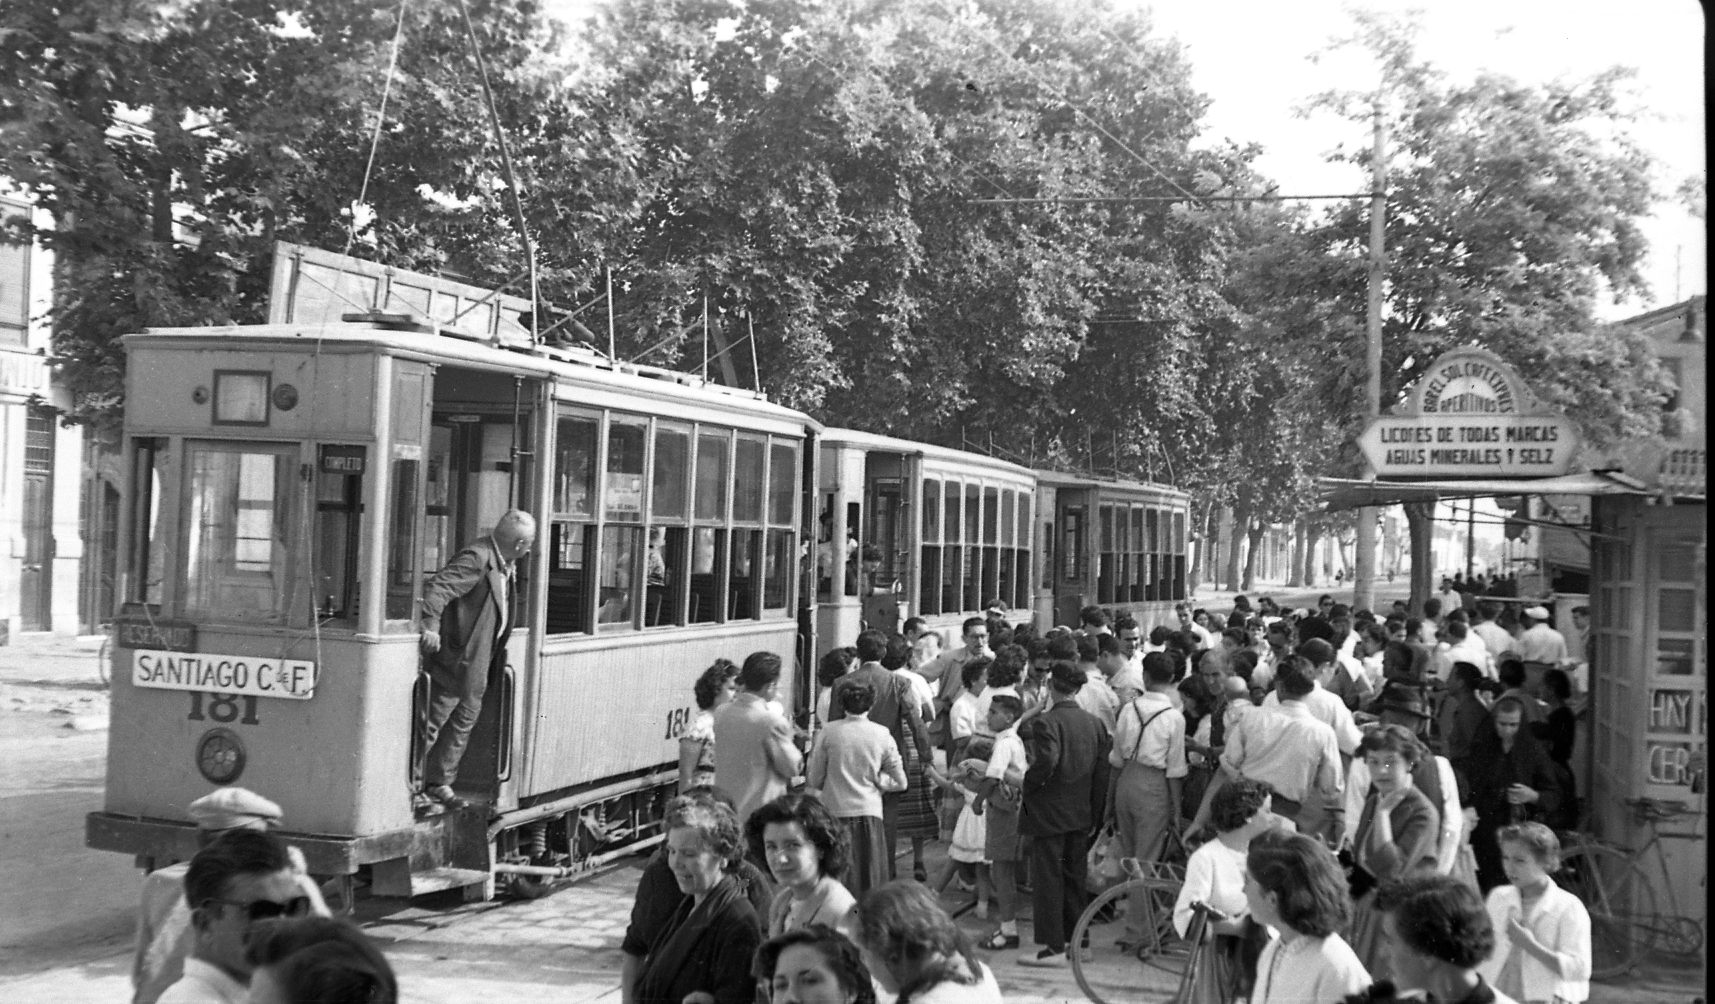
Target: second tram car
x=1119, y=545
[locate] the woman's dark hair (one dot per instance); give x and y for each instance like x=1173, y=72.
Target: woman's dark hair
x=1511, y=672
x=1468, y=674
x=1158, y=668
x=842, y=956
x=976, y=669
x=871, y=645
x=320, y=960
x=1008, y=666
x=713, y=679
x=1396, y=739
x=1193, y=692
x=833, y=665
x=902, y=921
x=1306, y=880
x=1558, y=683
x=898, y=653
x=1441, y=917
x=1236, y=802
x=819, y=825
x=1243, y=664
x=856, y=698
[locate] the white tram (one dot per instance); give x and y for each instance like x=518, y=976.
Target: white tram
x=293, y=485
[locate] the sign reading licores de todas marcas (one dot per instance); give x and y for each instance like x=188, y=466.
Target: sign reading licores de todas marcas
x=1470, y=416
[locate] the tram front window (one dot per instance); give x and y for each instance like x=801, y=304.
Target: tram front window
x=235, y=540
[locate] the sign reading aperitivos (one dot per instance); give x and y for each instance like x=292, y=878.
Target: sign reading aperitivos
x=1470, y=416
x=294, y=679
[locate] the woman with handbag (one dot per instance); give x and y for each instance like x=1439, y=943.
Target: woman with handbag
x=1398, y=833
x=1512, y=781
x=1149, y=760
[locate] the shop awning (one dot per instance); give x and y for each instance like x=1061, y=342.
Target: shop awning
x=1344, y=493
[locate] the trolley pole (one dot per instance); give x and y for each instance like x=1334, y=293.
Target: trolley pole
x=1364, y=575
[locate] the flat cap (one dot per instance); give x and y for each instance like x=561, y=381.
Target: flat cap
x=230, y=808
x=1538, y=612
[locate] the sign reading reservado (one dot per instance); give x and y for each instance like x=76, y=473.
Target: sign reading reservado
x=293, y=679
x=1471, y=417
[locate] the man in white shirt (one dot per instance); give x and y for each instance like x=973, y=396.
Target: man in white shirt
x=1096, y=695
x=1495, y=637
x=1130, y=637
x=1286, y=747
x=1126, y=682
x=1449, y=597
x=1188, y=622
x=1429, y=633
x=1148, y=757
x=1539, y=642
x=944, y=670
x=1324, y=706
x=1461, y=646
x=242, y=877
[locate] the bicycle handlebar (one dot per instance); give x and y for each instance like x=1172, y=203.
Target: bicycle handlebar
x=1660, y=808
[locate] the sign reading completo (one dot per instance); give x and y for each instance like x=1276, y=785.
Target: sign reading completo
x=294, y=679
x=1470, y=416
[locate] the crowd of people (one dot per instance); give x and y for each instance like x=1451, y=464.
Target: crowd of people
x=1350, y=788
x=1357, y=808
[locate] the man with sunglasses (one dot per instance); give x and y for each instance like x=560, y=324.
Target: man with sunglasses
x=242, y=877
x=165, y=934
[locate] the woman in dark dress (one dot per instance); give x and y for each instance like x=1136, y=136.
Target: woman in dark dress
x=707, y=944
x=1558, y=733
x=1512, y=780
x=1398, y=833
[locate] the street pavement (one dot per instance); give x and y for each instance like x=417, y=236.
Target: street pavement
x=66, y=917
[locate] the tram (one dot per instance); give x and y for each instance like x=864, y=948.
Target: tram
x=949, y=532
x=1119, y=545
x=294, y=484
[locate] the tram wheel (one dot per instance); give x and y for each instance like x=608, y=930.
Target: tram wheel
x=530, y=886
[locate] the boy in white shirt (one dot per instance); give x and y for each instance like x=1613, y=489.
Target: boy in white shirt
x=1003, y=777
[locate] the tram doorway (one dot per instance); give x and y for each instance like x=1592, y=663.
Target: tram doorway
x=36, y=582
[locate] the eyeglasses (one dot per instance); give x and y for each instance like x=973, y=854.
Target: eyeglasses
x=267, y=909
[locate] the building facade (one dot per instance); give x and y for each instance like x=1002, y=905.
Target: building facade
x=40, y=479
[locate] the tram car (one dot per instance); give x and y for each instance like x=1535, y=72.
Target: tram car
x=294, y=484
x=1119, y=545
x=948, y=531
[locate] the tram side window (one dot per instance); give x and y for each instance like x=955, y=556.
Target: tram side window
x=1072, y=548
x=781, y=551
x=1105, y=556
x=572, y=539
x=402, y=551
x=235, y=534
x=1179, y=555
x=1022, y=555
x=1152, y=581
x=991, y=548
x=973, y=546
x=952, y=556
x=669, y=534
x=1139, y=561
x=1005, y=586
x=622, y=507
x=339, y=484
x=148, y=560
x=709, y=536
x=929, y=575
x=747, y=555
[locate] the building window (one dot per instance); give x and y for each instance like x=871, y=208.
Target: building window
x=14, y=284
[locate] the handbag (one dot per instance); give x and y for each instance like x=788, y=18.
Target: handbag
x=1102, y=863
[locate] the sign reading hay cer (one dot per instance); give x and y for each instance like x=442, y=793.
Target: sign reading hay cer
x=1470, y=416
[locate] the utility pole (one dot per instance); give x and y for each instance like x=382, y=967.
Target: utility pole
x=1364, y=575
x=1470, y=538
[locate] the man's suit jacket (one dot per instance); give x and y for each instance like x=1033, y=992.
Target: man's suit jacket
x=895, y=708
x=462, y=603
x=1066, y=785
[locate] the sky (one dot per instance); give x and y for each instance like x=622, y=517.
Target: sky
x=1251, y=58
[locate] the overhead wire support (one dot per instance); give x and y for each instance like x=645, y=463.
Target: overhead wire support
x=1163, y=198
x=511, y=176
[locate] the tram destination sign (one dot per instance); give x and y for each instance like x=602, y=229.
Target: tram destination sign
x=1470, y=416
x=292, y=679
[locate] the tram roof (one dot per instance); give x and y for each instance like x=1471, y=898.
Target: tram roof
x=1066, y=479
x=547, y=363
x=891, y=444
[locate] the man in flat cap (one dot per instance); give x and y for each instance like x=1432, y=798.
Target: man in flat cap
x=1539, y=642
x=164, y=932
x=466, y=620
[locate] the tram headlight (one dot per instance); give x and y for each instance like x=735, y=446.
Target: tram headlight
x=220, y=756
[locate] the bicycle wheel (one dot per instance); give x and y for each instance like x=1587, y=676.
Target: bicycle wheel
x=1621, y=903
x=1113, y=897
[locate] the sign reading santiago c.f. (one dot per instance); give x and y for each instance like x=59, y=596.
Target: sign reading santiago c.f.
x=1470, y=416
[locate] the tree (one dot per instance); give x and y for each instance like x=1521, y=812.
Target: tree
x=1511, y=209
x=174, y=143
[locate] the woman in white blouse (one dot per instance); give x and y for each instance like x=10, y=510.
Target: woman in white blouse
x=1294, y=885
x=1215, y=876
x=1542, y=932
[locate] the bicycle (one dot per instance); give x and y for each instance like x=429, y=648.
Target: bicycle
x=103, y=668
x=1621, y=897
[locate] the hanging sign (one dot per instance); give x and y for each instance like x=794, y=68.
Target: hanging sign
x=1470, y=416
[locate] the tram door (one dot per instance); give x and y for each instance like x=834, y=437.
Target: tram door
x=469, y=483
x=1069, y=578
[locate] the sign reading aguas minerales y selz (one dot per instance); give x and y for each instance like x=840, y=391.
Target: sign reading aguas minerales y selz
x=1470, y=416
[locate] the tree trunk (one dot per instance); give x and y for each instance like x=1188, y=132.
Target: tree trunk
x=1237, y=523
x=1420, y=520
x=1312, y=536
x=1199, y=549
x=1295, y=574
x=1364, y=561
x=1254, y=535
